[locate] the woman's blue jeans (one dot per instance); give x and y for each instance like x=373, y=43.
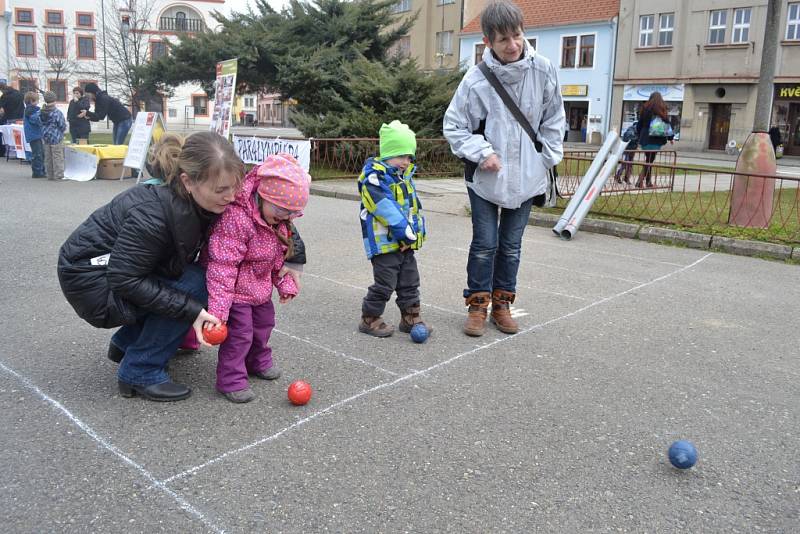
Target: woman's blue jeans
x=120, y=131
x=496, y=244
x=153, y=340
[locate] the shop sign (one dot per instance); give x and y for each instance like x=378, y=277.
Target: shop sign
x=574, y=90
x=787, y=91
x=670, y=93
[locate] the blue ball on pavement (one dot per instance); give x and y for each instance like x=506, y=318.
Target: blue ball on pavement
x=419, y=333
x=682, y=454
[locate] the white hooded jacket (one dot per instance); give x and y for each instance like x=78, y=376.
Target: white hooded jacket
x=533, y=84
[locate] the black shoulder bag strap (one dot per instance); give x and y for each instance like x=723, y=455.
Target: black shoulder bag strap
x=510, y=104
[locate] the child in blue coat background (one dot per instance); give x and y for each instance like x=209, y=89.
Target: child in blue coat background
x=32, y=124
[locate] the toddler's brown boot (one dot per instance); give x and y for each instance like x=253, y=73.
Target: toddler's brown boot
x=409, y=317
x=476, y=315
x=374, y=326
x=501, y=311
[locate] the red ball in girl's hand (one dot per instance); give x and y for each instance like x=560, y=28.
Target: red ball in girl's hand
x=299, y=392
x=215, y=334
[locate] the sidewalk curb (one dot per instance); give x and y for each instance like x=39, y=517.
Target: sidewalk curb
x=751, y=248
x=651, y=234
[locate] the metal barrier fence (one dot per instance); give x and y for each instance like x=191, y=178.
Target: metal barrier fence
x=344, y=157
x=674, y=195
x=687, y=196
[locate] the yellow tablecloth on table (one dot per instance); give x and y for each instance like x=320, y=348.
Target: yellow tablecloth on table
x=103, y=151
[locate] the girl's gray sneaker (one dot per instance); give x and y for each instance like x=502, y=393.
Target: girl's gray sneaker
x=243, y=395
x=270, y=373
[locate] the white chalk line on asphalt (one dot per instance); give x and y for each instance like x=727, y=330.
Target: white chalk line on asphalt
x=420, y=372
x=336, y=352
x=562, y=245
x=559, y=268
x=537, y=289
x=364, y=289
x=112, y=449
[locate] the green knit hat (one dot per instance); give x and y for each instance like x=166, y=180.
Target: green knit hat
x=397, y=139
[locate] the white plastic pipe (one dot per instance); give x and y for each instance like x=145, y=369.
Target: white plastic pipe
x=586, y=182
x=571, y=228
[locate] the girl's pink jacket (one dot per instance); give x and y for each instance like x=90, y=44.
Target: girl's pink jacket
x=244, y=255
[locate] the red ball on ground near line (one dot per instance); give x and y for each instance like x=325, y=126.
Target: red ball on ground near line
x=216, y=334
x=299, y=392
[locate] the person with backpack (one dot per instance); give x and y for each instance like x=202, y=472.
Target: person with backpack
x=654, y=131
x=630, y=136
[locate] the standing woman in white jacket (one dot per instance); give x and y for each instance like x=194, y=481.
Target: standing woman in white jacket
x=505, y=172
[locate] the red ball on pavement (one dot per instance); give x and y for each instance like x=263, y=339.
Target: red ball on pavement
x=215, y=334
x=299, y=392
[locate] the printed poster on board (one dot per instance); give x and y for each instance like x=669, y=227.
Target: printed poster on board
x=256, y=149
x=224, y=92
x=148, y=127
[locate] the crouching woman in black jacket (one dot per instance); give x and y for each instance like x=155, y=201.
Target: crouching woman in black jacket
x=131, y=264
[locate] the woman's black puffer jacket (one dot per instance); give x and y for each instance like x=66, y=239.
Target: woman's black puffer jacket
x=150, y=232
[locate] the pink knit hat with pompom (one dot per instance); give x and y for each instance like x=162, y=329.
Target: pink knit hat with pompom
x=284, y=182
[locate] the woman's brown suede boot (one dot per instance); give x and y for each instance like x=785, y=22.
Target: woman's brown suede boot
x=501, y=311
x=409, y=317
x=476, y=319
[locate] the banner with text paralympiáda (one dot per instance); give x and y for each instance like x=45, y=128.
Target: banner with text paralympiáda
x=256, y=149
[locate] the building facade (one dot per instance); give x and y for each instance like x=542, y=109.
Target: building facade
x=579, y=39
x=50, y=46
x=433, y=40
x=704, y=56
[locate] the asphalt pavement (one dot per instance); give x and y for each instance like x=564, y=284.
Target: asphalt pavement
x=625, y=346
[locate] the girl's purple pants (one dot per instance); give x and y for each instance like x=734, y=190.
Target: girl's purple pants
x=246, y=350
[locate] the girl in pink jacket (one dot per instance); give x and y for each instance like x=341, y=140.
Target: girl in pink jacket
x=246, y=250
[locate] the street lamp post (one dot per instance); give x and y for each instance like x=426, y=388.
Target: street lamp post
x=105, y=55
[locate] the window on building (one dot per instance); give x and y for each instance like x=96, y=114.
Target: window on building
x=54, y=47
x=717, y=23
x=479, y=48
x=84, y=20
x=532, y=42
x=646, y=30
x=85, y=47
x=200, y=103
x=26, y=85
x=444, y=43
x=793, y=23
x=158, y=49
x=402, y=6
x=444, y=2
x=54, y=18
x=741, y=25
x=26, y=44
x=24, y=16
x=569, y=46
x=666, y=26
x=59, y=87
x=248, y=102
x=172, y=113
x=587, y=51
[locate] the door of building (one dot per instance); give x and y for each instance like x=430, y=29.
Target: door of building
x=720, y=124
x=791, y=145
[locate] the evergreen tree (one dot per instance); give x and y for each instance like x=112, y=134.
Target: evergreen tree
x=332, y=56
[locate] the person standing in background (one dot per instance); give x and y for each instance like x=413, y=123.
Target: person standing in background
x=79, y=127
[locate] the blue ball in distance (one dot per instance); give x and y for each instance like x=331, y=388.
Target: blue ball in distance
x=419, y=333
x=682, y=454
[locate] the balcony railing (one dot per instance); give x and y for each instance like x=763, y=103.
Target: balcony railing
x=181, y=24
